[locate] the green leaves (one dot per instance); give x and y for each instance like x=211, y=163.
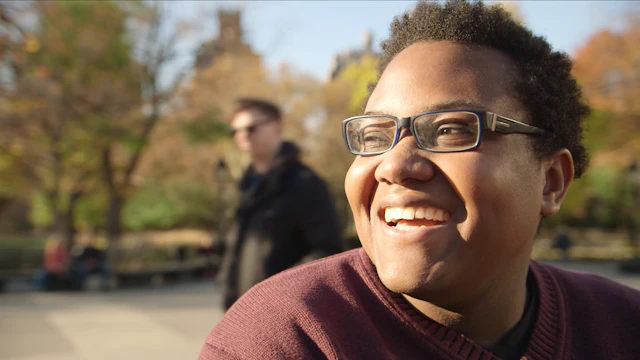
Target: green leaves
x=180, y=203
x=206, y=128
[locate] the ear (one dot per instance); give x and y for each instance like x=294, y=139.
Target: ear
x=558, y=175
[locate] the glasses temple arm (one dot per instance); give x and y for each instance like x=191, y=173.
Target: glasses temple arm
x=497, y=123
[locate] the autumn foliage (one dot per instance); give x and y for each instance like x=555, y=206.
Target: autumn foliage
x=90, y=138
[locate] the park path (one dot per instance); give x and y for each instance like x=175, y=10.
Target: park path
x=161, y=323
x=169, y=322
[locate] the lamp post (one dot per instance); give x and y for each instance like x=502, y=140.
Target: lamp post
x=221, y=174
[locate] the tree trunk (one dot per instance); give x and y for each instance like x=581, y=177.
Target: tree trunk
x=69, y=226
x=64, y=223
x=59, y=220
x=112, y=224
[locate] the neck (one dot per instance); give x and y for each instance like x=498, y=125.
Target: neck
x=486, y=317
x=261, y=163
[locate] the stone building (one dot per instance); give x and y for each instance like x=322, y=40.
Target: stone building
x=342, y=60
x=229, y=42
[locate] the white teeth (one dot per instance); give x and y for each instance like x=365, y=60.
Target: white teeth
x=395, y=214
x=408, y=214
x=428, y=214
x=387, y=215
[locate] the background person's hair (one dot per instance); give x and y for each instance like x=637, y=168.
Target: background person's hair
x=266, y=107
x=543, y=84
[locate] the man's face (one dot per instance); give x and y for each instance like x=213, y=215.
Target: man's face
x=486, y=202
x=255, y=133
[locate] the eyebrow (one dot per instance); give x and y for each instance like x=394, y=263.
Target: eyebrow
x=444, y=105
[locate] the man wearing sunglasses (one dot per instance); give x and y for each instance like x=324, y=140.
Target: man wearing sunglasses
x=470, y=137
x=286, y=215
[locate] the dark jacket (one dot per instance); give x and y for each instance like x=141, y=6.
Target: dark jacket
x=285, y=218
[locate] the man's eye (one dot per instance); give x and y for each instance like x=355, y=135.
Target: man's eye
x=452, y=129
x=375, y=140
x=375, y=137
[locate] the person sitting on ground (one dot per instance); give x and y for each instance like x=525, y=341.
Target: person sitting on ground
x=91, y=261
x=56, y=264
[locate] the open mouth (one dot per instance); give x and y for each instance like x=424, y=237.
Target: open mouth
x=407, y=218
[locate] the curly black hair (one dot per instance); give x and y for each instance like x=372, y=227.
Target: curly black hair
x=543, y=84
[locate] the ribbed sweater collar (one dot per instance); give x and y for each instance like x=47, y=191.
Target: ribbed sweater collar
x=547, y=338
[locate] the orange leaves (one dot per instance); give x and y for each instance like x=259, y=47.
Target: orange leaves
x=608, y=69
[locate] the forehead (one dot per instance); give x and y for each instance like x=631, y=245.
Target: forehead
x=248, y=117
x=435, y=75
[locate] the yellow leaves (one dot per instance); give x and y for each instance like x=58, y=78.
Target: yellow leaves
x=16, y=149
x=25, y=107
x=59, y=146
x=42, y=72
x=31, y=43
x=360, y=75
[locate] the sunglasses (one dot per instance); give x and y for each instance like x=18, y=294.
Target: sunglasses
x=251, y=128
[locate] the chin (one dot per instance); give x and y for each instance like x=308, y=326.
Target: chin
x=400, y=286
x=409, y=280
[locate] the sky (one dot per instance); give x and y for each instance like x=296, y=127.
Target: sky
x=308, y=34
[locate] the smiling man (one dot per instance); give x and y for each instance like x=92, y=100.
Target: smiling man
x=470, y=137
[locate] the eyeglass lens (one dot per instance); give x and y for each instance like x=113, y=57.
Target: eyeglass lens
x=447, y=131
x=249, y=129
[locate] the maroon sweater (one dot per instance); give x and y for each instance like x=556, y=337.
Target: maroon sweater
x=337, y=308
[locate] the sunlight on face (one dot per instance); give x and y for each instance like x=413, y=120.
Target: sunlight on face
x=490, y=221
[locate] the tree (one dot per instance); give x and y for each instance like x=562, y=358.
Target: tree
x=127, y=136
x=608, y=69
x=343, y=97
x=64, y=73
x=82, y=95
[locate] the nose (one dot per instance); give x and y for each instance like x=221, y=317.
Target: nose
x=405, y=163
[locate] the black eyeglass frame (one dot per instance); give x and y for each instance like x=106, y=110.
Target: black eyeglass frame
x=487, y=121
x=251, y=128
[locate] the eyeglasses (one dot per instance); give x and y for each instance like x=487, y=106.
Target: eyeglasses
x=251, y=128
x=434, y=131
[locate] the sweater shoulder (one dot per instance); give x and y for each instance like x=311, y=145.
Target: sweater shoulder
x=583, y=316
x=282, y=316
x=599, y=316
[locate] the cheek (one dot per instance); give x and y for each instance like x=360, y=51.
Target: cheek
x=359, y=186
x=501, y=216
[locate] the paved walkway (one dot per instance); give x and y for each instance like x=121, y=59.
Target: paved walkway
x=608, y=269
x=162, y=323
x=151, y=323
